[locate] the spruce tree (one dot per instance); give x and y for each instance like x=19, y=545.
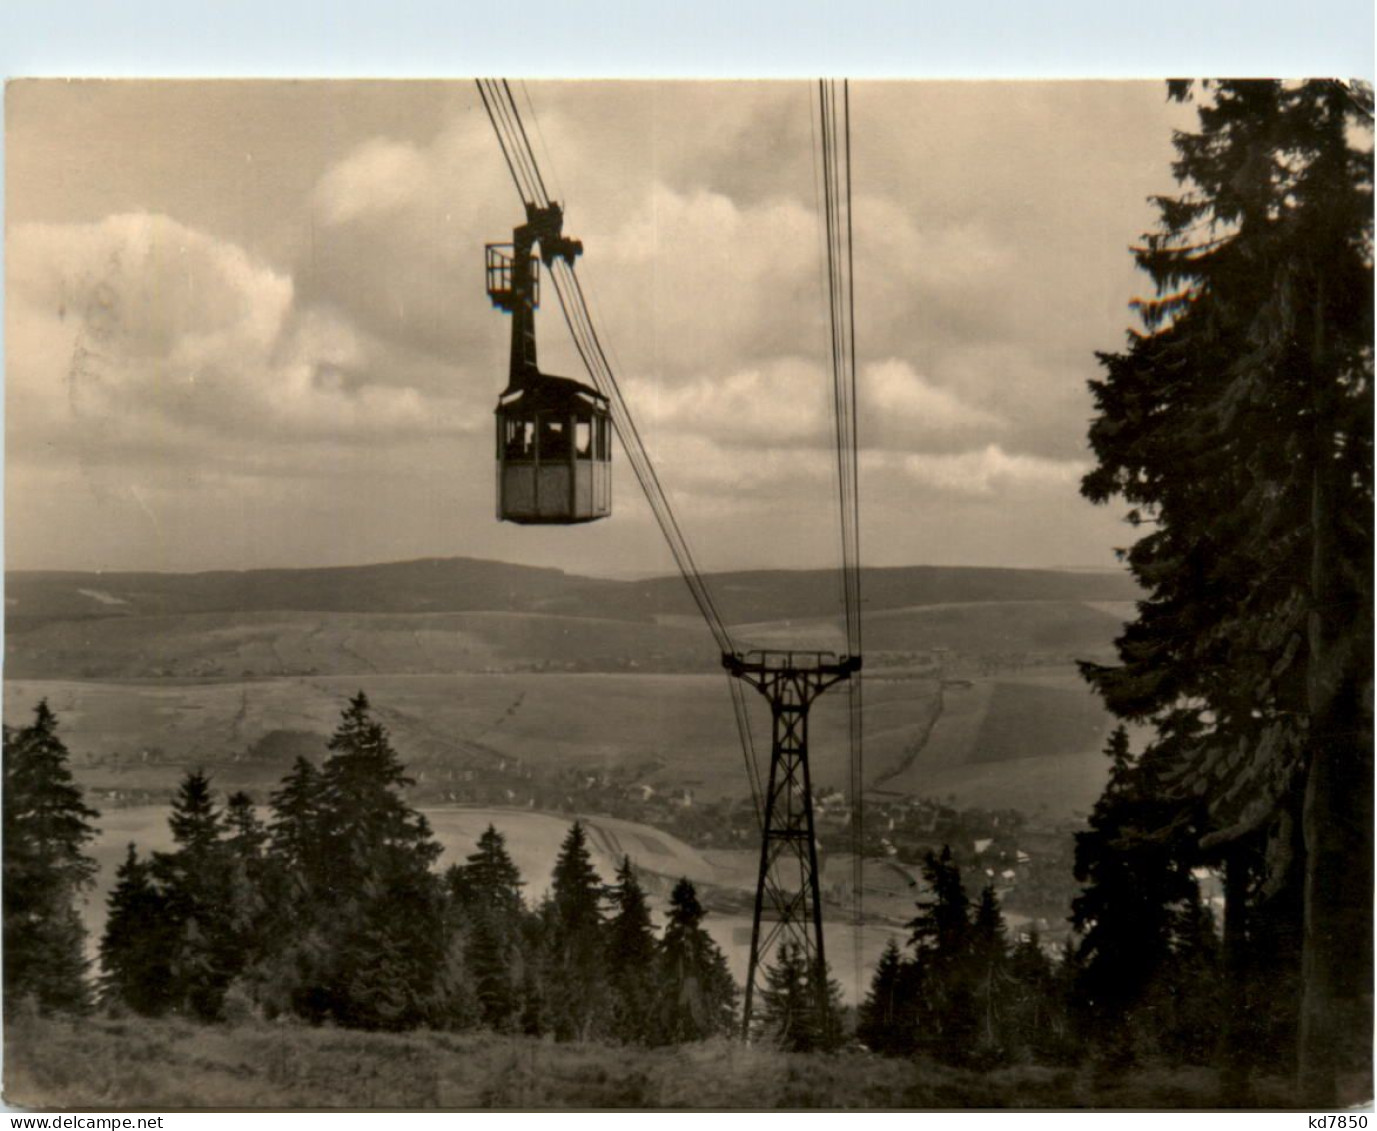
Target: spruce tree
x=244, y=832
x=631, y=958
x=790, y=1013
x=488, y=878
x=788, y=1000
x=194, y=881
x=138, y=943
x=696, y=995
x=486, y=891
x=375, y=894
x=291, y=971
x=249, y=887
x=576, y=961
x=364, y=819
x=294, y=831
x=46, y=828
x=943, y=924
x=989, y=957
x=534, y=1018
x=196, y=823
x=1037, y=1025
x=1238, y=428
x=359, y=931
x=941, y=937
x=887, y=1022
x=494, y=965
x=1137, y=876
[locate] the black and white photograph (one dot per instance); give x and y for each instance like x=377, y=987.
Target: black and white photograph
x=567, y=595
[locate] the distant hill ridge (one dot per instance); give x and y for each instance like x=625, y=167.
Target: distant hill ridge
x=437, y=585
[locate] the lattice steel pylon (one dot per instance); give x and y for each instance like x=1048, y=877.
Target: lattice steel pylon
x=787, y=895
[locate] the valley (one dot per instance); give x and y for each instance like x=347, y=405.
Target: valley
x=528, y=697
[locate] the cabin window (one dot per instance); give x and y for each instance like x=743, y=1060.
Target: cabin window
x=518, y=438
x=583, y=437
x=554, y=439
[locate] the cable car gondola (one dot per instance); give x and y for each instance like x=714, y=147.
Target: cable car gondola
x=554, y=441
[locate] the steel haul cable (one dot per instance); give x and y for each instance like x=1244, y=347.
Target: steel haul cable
x=835, y=141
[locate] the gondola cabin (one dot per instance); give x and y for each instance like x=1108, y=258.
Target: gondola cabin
x=554, y=453
x=554, y=441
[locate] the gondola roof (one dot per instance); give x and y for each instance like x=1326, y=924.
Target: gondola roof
x=546, y=392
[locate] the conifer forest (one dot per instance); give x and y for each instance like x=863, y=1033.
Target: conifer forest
x=1210, y=943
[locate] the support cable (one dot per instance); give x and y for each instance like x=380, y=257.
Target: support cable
x=526, y=144
x=502, y=109
x=835, y=140
x=856, y=686
x=522, y=189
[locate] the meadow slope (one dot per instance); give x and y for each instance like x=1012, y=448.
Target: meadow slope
x=967, y=637
x=141, y=1065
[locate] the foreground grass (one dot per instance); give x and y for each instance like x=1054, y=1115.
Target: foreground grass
x=100, y=1064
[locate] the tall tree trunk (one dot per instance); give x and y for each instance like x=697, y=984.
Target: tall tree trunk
x=1336, y=825
x=1234, y=1084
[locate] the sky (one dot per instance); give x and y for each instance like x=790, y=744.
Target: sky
x=246, y=326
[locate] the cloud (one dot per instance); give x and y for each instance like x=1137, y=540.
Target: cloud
x=139, y=334
x=901, y=408
x=705, y=262
x=779, y=403
x=303, y=336
x=978, y=472
x=380, y=176
x=786, y=404
x=712, y=304
x=397, y=242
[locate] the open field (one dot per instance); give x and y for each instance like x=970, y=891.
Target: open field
x=131, y=741
x=141, y=1065
x=1031, y=742
x=1046, y=789
x=1068, y=719
x=237, y=645
x=677, y=729
x=293, y=643
x=1047, y=629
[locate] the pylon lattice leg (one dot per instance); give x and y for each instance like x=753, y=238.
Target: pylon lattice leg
x=788, y=901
